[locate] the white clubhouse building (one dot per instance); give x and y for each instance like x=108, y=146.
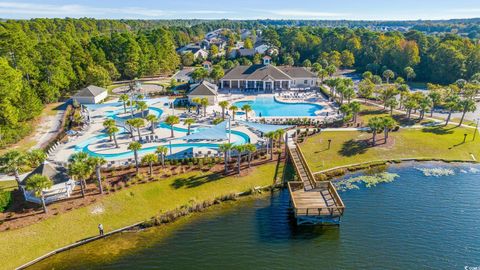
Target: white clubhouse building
x=269, y=78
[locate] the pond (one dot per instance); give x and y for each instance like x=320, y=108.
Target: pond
x=427, y=218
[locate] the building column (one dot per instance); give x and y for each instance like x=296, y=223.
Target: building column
x=255, y=84
x=238, y=84
x=263, y=85
x=289, y=84
x=223, y=86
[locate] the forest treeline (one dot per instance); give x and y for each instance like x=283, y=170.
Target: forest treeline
x=43, y=60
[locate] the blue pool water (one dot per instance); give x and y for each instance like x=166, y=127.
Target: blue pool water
x=237, y=138
x=268, y=106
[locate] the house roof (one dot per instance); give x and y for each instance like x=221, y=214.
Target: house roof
x=297, y=72
x=90, y=91
x=256, y=72
x=204, y=89
x=56, y=174
x=246, y=52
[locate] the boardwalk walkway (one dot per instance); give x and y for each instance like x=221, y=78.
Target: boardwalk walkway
x=314, y=202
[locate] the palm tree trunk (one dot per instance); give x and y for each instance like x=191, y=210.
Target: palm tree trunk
x=153, y=127
x=115, y=140
x=43, y=203
x=124, y=108
x=249, y=159
x=271, y=149
x=139, y=136
x=188, y=132
x=151, y=168
x=386, y=134
x=448, y=118
x=136, y=160
x=171, y=131
x=463, y=117
x=82, y=187
x=99, y=178
x=239, y=160
x=373, y=139
x=163, y=160
x=223, y=113
x=226, y=162
x=233, y=115
x=432, y=110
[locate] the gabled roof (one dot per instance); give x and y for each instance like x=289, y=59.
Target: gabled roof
x=297, y=72
x=56, y=174
x=204, y=89
x=90, y=91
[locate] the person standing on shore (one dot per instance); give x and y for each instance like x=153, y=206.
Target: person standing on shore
x=100, y=229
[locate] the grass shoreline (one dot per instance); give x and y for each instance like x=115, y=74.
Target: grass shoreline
x=129, y=206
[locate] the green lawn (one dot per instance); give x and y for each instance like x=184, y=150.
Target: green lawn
x=122, y=208
x=349, y=147
x=8, y=185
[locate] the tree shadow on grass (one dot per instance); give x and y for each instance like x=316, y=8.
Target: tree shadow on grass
x=440, y=130
x=195, y=180
x=353, y=147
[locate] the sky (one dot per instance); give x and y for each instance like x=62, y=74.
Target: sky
x=243, y=9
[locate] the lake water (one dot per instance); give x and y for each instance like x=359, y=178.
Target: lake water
x=415, y=222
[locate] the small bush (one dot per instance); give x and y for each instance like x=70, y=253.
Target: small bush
x=5, y=200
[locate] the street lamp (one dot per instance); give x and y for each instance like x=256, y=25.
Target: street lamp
x=329, y=142
x=229, y=129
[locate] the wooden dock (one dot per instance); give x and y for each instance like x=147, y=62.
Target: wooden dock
x=314, y=202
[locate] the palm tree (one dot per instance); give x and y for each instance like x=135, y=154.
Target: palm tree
x=225, y=148
x=271, y=136
x=172, y=120
x=162, y=152
x=112, y=131
x=135, y=146
x=97, y=163
x=130, y=122
x=246, y=108
x=234, y=109
x=150, y=159
x=204, y=103
x=376, y=125
x=466, y=105
x=250, y=148
x=388, y=124
x=12, y=161
x=391, y=103
x=348, y=94
x=138, y=123
x=280, y=134
x=189, y=122
x=109, y=123
x=346, y=111
x=355, y=109
x=37, y=183
x=78, y=156
x=197, y=104
x=124, y=98
x=153, y=121
x=388, y=74
x=424, y=104
x=239, y=149
x=436, y=97
x=452, y=104
x=35, y=157
x=410, y=104
x=81, y=170
x=223, y=104
x=142, y=106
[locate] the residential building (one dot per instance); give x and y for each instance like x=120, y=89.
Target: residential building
x=267, y=77
x=203, y=89
x=196, y=49
x=90, y=95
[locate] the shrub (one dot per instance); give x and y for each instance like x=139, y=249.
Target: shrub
x=5, y=200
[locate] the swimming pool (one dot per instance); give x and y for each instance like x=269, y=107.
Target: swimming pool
x=237, y=139
x=268, y=106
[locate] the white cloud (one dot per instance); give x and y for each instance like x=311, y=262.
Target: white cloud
x=46, y=10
